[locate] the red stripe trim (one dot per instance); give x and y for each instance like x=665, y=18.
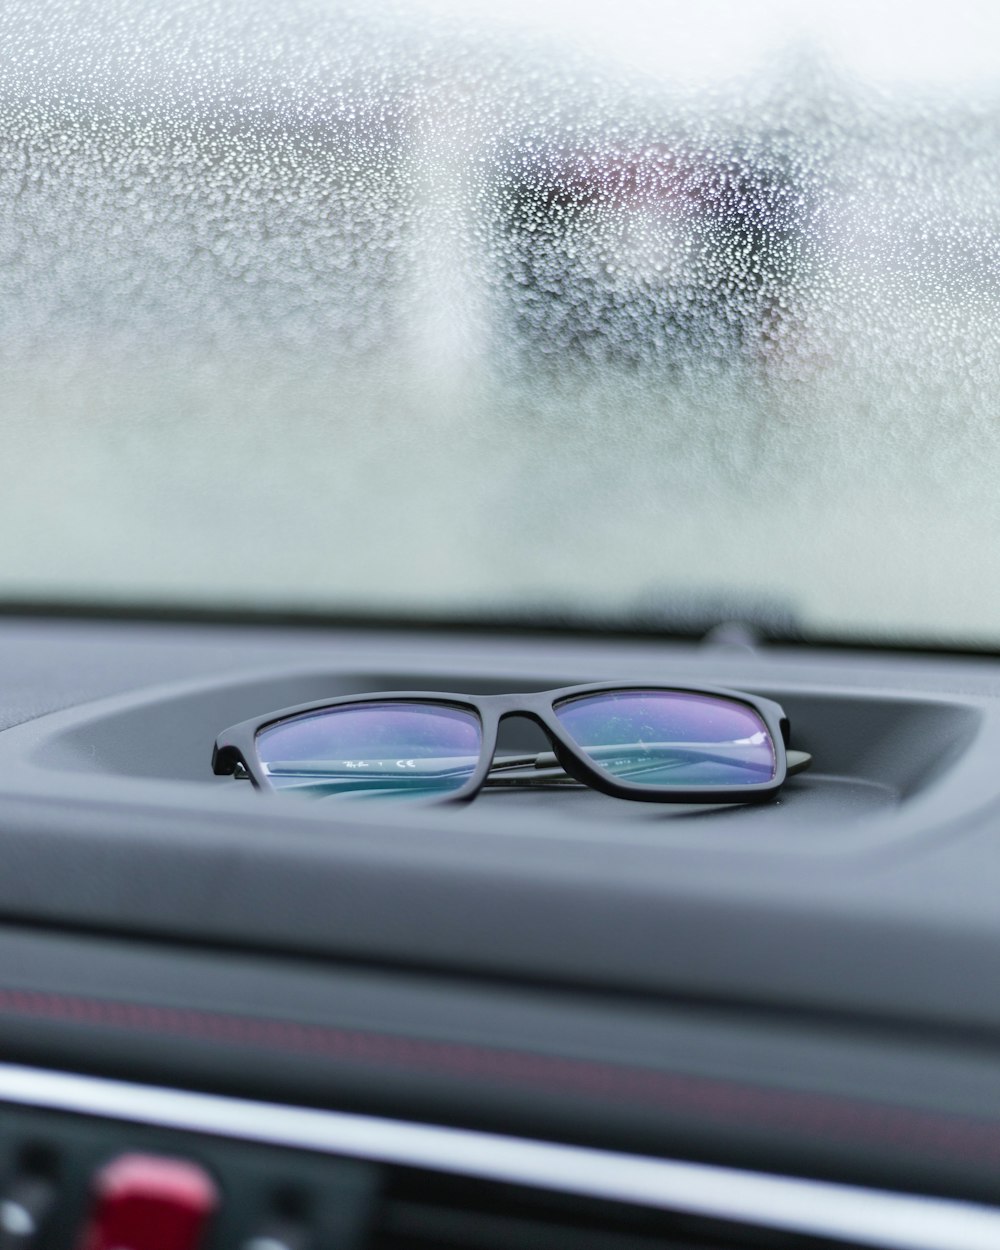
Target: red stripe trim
x=818, y=1115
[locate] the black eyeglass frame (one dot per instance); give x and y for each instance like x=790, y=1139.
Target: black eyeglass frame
x=236, y=746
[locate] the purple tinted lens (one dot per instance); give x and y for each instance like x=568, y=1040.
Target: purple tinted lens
x=385, y=750
x=669, y=738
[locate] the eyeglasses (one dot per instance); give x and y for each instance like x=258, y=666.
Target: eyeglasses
x=659, y=744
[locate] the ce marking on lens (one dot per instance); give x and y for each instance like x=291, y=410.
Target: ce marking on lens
x=376, y=764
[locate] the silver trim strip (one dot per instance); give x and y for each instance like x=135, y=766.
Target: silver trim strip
x=865, y=1216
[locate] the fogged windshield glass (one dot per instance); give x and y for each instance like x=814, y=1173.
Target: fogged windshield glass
x=646, y=311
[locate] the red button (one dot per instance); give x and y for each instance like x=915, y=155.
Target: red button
x=145, y=1202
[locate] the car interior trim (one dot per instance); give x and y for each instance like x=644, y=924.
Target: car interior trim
x=894, y=1221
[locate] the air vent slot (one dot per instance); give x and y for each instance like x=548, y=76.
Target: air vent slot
x=427, y=1211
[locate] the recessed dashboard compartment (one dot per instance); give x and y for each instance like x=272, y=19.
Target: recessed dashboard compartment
x=868, y=885
x=872, y=751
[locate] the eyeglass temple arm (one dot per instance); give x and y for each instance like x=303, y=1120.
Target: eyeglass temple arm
x=541, y=768
x=545, y=767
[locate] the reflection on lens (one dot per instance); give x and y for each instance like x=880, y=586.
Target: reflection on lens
x=668, y=738
x=373, y=750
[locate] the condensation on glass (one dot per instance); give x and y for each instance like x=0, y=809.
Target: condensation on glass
x=624, y=309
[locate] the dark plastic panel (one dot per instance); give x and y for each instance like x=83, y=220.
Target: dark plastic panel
x=761, y=1090
x=868, y=890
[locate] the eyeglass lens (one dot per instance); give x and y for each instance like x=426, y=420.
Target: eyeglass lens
x=670, y=738
x=373, y=750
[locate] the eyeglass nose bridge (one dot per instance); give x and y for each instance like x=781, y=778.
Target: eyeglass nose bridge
x=538, y=711
x=530, y=704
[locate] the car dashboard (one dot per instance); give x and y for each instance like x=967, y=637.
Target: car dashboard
x=548, y=1018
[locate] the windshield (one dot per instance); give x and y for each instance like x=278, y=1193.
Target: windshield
x=616, y=309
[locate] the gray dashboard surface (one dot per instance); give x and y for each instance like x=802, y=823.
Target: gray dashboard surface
x=868, y=889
